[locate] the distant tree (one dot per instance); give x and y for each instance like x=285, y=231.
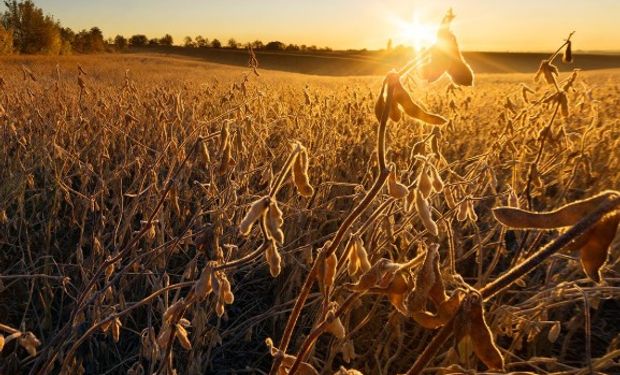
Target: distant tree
x=215, y=43
x=81, y=42
x=292, y=47
x=275, y=46
x=138, y=40
x=6, y=41
x=90, y=41
x=67, y=37
x=96, y=42
x=303, y=47
x=257, y=44
x=232, y=43
x=32, y=30
x=201, y=42
x=153, y=42
x=189, y=42
x=120, y=42
x=166, y=40
x=312, y=48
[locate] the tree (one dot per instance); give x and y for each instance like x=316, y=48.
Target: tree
x=153, y=42
x=89, y=41
x=232, y=43
x=215, y=43
x=67, y=37
x=138, y=40
x=166, y=40
x=95, y=40
x=120, y=42
x=189, y=42
x=201, y=42
x=257, y=44
x=275, y=46
x=32, y=30
x=292, y=47
x=6, y=41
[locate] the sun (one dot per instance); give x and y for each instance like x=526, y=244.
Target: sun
x=415, y=33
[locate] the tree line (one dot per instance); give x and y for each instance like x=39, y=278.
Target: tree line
x=26, y=28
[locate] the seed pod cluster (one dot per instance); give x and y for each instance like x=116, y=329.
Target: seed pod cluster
x=181, y=334
x=548, y=71
x=334, y=324
x=29, y=342
x=256, y=211
x=395, y=188
x=429, y=286
x=204, y=152
x=267, y=210
x=273, y=258
x=224, y=292
x=436, y=179
x=470, y=322
x=203, y=286
x=568, y=52
x=446, y=57
x=227, y=162
x=174, y=326
x=344, y=371
x=425, y=185
x=274, y=220
x=426, y=278
x=465, y=210
x=398, y=290
x=358, y=257
x=288, y=360
x=378, y=277
x=300, y=173
x=402, y=99
x=424, y=210
x=329, y=274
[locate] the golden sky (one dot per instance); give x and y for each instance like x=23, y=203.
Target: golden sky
x=490, y=25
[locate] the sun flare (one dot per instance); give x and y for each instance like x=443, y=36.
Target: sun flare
x=415, y=33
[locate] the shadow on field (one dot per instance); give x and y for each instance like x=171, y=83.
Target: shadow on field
x=376, y=62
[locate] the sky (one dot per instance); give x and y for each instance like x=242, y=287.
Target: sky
x=481, y=25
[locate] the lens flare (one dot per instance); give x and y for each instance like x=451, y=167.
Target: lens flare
x=415, y=33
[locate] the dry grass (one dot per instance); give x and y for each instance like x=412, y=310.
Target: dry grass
x=121, y=201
